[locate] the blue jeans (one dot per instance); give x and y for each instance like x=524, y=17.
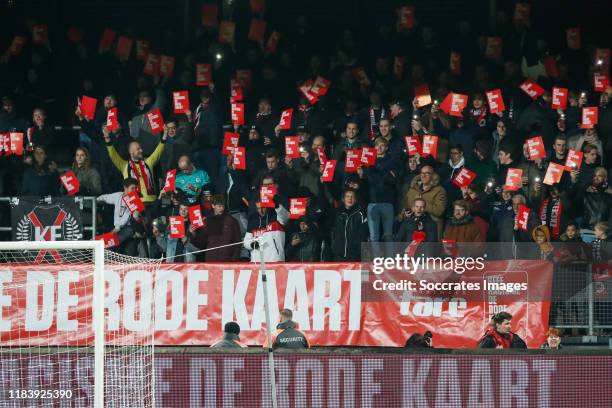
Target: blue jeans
x=380, y=213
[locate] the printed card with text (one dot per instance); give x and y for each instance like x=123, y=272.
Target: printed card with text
x=353, y=160
x=111, y=239
x=5, y=145
x=532, y=89
x=181, y=101
x=572, y=37
x=297, y=208
x=455, y=63
x=513, y=179
x=230, y=142
x=329, y=169
x=112, y=123
x=133, y=202
x=430, y=146
x=292, y=147
x=88, y=107
x=156, y=121
x=321, y=155
x=573, y=161
x=535, y=146
x=239, y=160
x=237, y=113
x=306, y=90
x=522, y=218
x=266, y=196
x=70, y=183
x=142, y=50
x=170, y=182
x=559, y=98
x=422, y=95
x=152, y=65
x=413, y=145
x=15, y=140
x=195, y=216
x=176, y=224
x=203, y=74
x=285, y=119
x=464, y=178
x=589, y=117
x=368, y=156
x=601, y=81
x=398, y=68
x=320, y=86
x=495, y=101
x=454, y=104
x=553, y=173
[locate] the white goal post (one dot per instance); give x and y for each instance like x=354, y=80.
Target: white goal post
x=122, y=361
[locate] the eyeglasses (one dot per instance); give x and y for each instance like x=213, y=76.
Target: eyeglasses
x=426, y=172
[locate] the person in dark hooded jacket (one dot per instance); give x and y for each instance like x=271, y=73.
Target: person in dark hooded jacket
x=304, y=245
x=350, y=229
x=231, y=337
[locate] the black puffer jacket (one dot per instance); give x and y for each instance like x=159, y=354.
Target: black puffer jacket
x=597, y=204
x=350, y=229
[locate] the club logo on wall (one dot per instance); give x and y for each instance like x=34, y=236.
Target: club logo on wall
x=52, y=219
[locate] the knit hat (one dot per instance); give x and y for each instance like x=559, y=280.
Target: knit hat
x=232, y=327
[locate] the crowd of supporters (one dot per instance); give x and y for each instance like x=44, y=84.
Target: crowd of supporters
x=337, y=100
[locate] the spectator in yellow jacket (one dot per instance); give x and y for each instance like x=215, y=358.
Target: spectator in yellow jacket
x=137, y=166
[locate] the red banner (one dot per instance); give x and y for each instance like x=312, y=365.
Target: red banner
x=330, y=303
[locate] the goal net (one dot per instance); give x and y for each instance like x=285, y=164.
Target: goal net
x=55, y=351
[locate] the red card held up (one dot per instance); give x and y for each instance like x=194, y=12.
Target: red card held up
x=111, y=239
x=329, y=168
x=156, y=121
x=292, y=148
x=297, y=208
x=88, y=107
x=514, y=179
x=239, y=161
x=70, y=182
x=464, y=178
x=195, y=216
x=573, y=161
x=535, y=147
x=133, y=202
x=181, y=101
x=266, y=196
x=170, y=182
x=176, y=224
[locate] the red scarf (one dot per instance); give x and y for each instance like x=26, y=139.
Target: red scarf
x=555, y=215
x=499, y=339
x=140, y=170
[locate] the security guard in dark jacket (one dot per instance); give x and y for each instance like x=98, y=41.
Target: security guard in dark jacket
x=286, y=335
